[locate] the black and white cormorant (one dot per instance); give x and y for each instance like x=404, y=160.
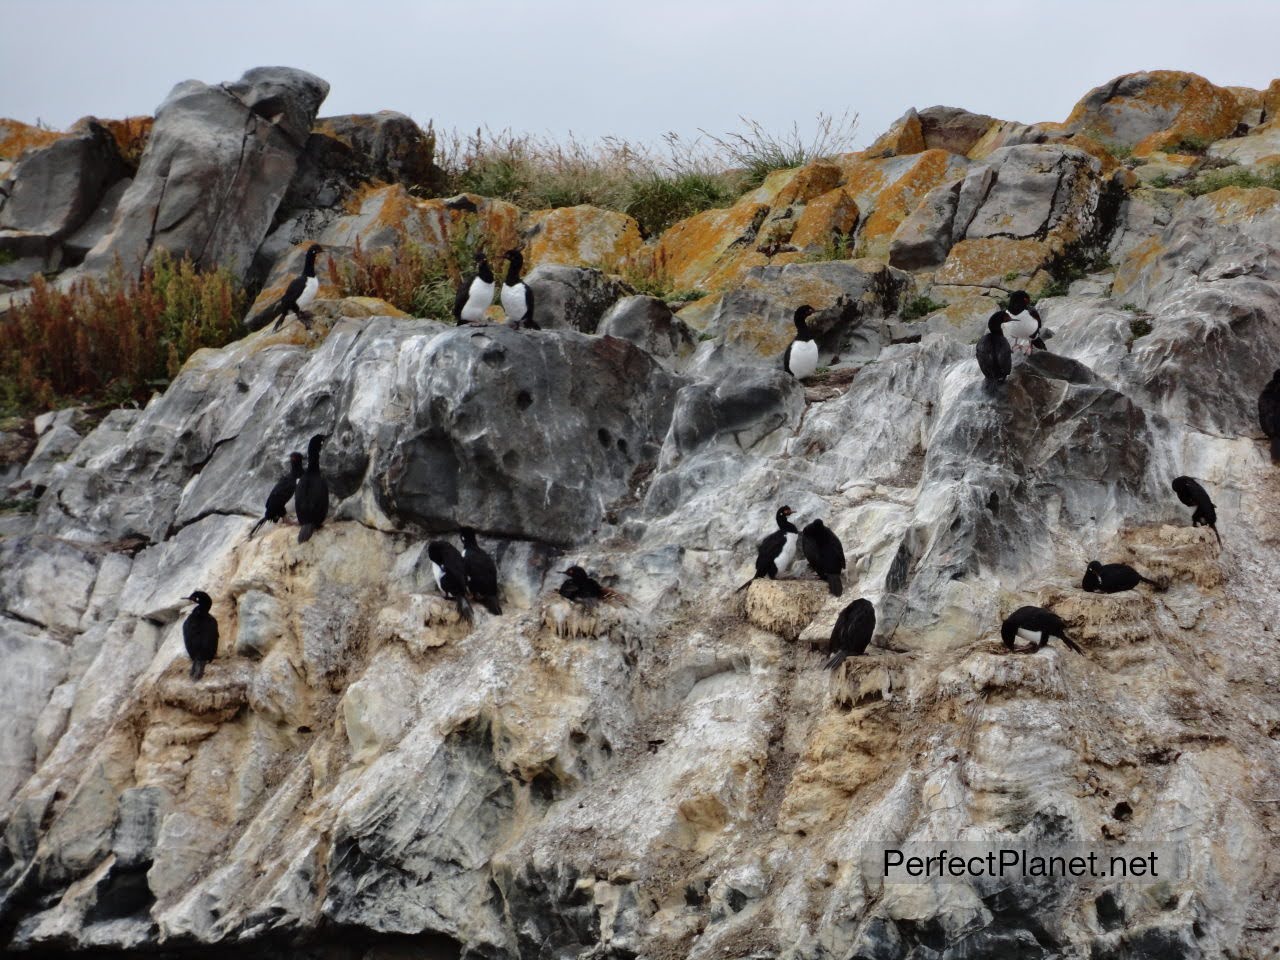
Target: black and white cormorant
x=481, y=571
x=852, y=632
x=995, y=358
x=778, y=550
x=581, y=587
x=299, y=295
x=281, y=493
x=1269, y=414
x=476, y=293
x=450, y=572
x=200, y=633
x=311, y=498
x=1023, y=323
x=1192, y=494
x=1112, y=578
x=1037, y=625
x=516, y=296
x=801, y=357
x=822, y=548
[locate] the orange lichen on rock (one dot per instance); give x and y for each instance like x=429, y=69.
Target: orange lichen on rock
x=895, y=203
x=580, y=235
x=692, y=249
x=985, y=262
x=131, y=135
x=906, y=136
x=810, y=181
x=830, y=216
x=16, y=137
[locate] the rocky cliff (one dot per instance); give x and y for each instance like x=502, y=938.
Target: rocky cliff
x=362, y=774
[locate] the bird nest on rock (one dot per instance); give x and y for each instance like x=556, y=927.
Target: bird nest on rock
x=219, y=694
x=1181, y=554
x=983, y=673
x=785, y=607
x=569, y=621
x=1107, y=620
x=421, y=622
x=865, y=679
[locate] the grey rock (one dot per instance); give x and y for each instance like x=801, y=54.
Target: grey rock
x=216, y=166
x=1027, y=191
x=648, y=323
x=57, y=441
x=97, y=225
x=953, y=129
x=260, y=623
x=924, y=238
x=138, y=826
x=573, y=298
x=33, y=665
x=32, y=564
x=57, y=187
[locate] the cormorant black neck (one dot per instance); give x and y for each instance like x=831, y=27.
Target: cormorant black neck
x=785, y=524
x=802, y=328
x=483, y=270
x=313, y=453
x=203, y=602
x=468, y=537
x=996, y=323
x=310, y=269
x=295, y=465
x=515, y=262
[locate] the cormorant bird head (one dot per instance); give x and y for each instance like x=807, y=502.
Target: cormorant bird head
x=316, y=442
x=1019, y=300
x=201, y=599
x=1093, y=567
x=576, y=572
x=468, y=536
x=784, y=512
x=515, y=257
x=313, y=251
x=802, y=314
x=479, y=257
x=996, y=323
x=295, y=457
x=435, y=551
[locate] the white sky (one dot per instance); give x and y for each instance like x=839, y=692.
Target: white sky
x=598, y=67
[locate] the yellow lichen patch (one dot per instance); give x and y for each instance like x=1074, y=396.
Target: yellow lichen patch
x=1237, y=204
x=1093, y=148
x=131, y=135
x=987, y=261
x=582, y=235
x=1271, y=99
x=16, y=136
x=864, y=178
x=810, y=181
x=691, y=249
x=895, y=203
x=832, y=215
x=1248, y=98
x=906, y=136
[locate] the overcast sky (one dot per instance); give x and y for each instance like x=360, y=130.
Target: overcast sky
x=597, y=67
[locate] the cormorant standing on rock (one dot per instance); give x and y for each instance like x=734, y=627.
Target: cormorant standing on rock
x=476, y=293
x=852, y=633
x=281, y=493
x=516, y=296
x=1112, y=578
x=1037, y=625
x=995, y=358
x=1023, y=321
x=1269, y=414
x=825, y=554
x=311, y=498
x=778, y=550
x=1192, y=494
x=450, y=571
x=299, y=295
x=481, y=572
x=200, y=633
x=801, y=357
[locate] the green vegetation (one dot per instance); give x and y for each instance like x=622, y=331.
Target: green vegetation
x=114, y=339
x=7, y=257
x=920, y=306
x=21, y=505
x=1160, y=182
x=1074, y=265
x=836, y=248
x=1139, y=327
x=1130, y=307
x=1011, y=276
x=409, y=276
x=1212, y=180
x=656, y=186
x=1190, y=144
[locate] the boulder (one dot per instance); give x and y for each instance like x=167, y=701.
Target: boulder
x=579, y=236
x=572, y=298
x=17, y=137
x=1156, y=110
x=58, y=186
x=216, y=166
x=648, y=323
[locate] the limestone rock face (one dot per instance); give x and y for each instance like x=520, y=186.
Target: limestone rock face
x=216, y=166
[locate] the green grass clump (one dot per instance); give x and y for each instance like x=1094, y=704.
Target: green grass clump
x=116, y=338
x=758, y=152
x=1190, y=143
x=658, y=201
x=1212, y=180
x=920, y=306
x=7, y=257
x=1139, y=327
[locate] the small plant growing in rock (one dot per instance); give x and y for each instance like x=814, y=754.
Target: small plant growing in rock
x=836, y=248
x=1130, y=307
x=920, y=306
x=759, y=152
x=1139, y=327
x=1190, y=143
x=7, y=257
x=1208, y=182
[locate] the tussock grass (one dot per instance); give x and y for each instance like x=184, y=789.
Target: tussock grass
x=1212, y=180
x=113, y=339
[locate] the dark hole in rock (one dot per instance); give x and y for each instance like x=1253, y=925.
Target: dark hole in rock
x=304, y=729
x=736, y=900
x=622, y=444
x=524, y=400
x=692, y=896
x=510, y=460
x=1122, y=812
x=544, y=787
x=605, y=438
x=1110, y=914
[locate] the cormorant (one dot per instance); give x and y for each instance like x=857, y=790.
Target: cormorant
x=200, y=633
x=281, y=493
x=801, y=357
x=1037, y=625
x=995, y=358
x=481, y=572
x=516, y=296
x=1192, y=494
x=450, y=571
x=311, y=498
x=852, y=632
x=1024, y=321
x=1112, y=578
x=778, y=550
x=476, y=293
x=825, y=554
x=299, y=295
x=1269, y=414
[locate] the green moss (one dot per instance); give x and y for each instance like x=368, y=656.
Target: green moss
x=920, y=306
x=7, y=257
x=1139, y=327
